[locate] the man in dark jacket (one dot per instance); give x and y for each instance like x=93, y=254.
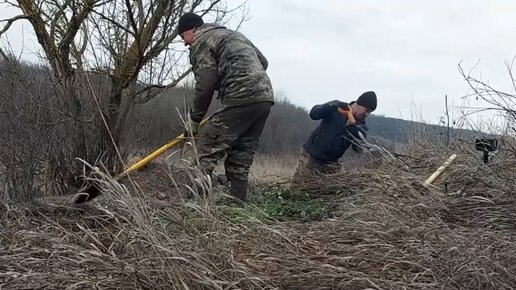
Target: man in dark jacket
x=226, y=61
x=334, y=135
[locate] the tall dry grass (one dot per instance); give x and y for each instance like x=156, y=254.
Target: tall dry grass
x=382, y=230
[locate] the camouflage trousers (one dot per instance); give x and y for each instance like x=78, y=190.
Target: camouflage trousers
x=233, y=133
x=308, y=168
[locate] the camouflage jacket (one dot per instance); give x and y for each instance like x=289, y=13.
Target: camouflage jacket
x=226, y=61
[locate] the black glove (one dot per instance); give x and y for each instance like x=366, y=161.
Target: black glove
x=334, y=105
x=354, y=129
x=358, y=145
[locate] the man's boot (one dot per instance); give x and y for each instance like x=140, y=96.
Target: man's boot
x=222, y=179
x=239, y=189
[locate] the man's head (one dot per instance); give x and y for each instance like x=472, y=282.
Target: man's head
x=186, y=26
x=364, y=105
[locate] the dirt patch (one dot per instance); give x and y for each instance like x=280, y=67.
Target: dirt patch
x=164, y=183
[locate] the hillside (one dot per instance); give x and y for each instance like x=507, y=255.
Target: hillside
x=287, y=127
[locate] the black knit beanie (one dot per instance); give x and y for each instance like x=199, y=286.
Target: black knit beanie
x=368, y=100
x=189, y=20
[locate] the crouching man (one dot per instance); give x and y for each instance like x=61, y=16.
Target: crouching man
x=334, y=135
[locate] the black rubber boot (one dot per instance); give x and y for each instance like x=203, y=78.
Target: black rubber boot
x=222, y=179
x=239, y=189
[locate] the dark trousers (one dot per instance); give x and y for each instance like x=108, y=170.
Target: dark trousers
x=233, y=133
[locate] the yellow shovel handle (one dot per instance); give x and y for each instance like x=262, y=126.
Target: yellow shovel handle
x=348, y=113
x=156, y=153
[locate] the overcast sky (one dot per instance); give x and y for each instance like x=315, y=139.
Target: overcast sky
x=406, y=51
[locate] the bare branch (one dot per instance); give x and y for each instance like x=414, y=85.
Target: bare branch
x=509, y=70
x=131, y=16
x=141, y=16
x=74, y=26
x=115, y=23
x=154, y=90
x=47, y=43
x=3, y=54
x=54, y=23
x=11, y=21
x=84, y=45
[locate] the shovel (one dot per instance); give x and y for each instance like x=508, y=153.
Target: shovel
x=92, y=191
x=348, y=113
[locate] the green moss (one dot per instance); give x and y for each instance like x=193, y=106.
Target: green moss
x=285, y=204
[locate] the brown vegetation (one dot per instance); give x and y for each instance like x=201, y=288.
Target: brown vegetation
x=375, y=228
x=372, y=226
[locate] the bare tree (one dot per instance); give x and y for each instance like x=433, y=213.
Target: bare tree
x=56, y=25
x=134, y=41
x=503, y=103
x=105, y=56
x=131, y=44
x=498, y=101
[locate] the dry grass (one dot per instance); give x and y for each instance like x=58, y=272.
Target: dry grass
x=267, y=169
x=384, y=230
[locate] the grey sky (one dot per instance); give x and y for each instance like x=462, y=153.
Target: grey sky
x=406, y=51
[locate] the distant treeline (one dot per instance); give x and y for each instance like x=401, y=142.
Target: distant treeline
x=28, y=110
x=287, y=128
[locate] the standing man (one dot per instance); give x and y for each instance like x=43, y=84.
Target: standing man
x=334, y=135
x=226, y=61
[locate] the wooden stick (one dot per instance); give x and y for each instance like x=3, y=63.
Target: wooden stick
x=440, y=170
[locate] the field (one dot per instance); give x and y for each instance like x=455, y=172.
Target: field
x=103, y=82
x=372, y=226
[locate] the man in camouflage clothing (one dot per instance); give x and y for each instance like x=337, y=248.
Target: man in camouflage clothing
x=226, y=61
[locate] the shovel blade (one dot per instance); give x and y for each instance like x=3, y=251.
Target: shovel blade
x=87, y=194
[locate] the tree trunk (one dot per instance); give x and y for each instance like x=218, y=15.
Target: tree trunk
x=75, y=129
x=119, y=104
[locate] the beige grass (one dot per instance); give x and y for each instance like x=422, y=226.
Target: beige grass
x=267, y=169
x=386, y=232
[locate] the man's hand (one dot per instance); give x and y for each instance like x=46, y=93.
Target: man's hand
x=353, y=130
x=191, y=128
x=334, y=105
x=326, y=109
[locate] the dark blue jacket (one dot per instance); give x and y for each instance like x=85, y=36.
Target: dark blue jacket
x=332, y=137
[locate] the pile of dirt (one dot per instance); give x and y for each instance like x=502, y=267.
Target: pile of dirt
x=160, y=181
